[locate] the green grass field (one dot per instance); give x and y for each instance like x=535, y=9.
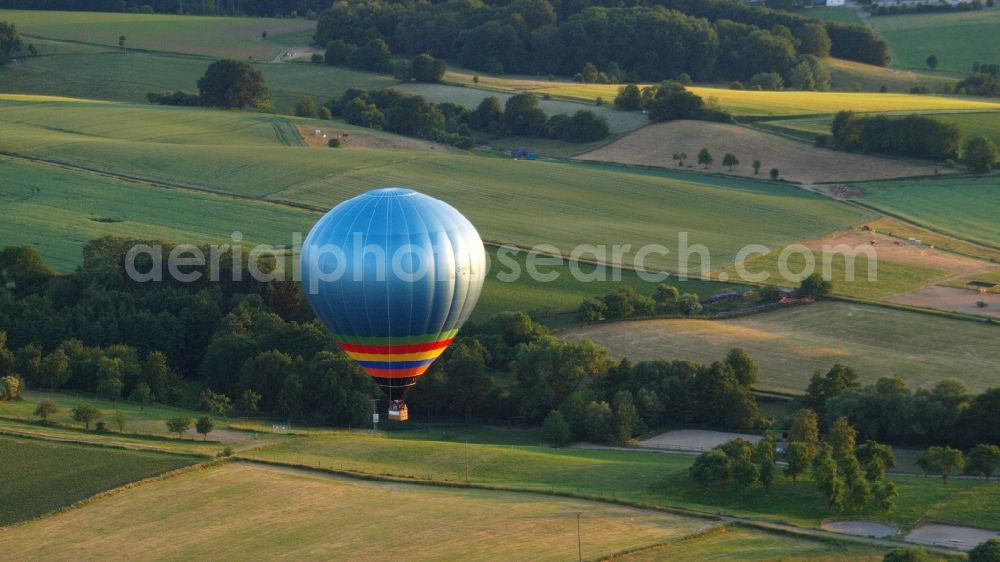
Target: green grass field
x=844, y=14
x=790, y=344
x=34, y=200
x=40, y=476
x=236, y=37
x=962, y=207
x=102, y=73
x=519, y=202
x=957, y=39
x=650, y=478
x=845, y=75
x=246, y=511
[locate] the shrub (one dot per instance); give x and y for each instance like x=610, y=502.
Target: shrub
x=333, y=142
x=317, y=58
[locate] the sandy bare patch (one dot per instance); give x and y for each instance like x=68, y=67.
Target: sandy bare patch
x=861, y=528
x=907, y=252
x=319, y=136
x=952, y=536
x=797, y=161
x=694, y=439
x=953, y=299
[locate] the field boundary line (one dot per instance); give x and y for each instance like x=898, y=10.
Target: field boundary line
x=123, y=488
x=694, y=535
x=103, y=445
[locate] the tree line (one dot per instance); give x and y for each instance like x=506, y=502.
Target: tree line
x=448, y=122
x=648, y=41
x=890, y=411
x=915, y=136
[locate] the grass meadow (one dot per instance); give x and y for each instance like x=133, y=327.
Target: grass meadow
x=962, y=207
x=518, y=202
x=41, y=476
x=888, y=279
x=217, y=37
x=843, y=14
x=99, y=72
x=658, y=479
x=790, y=344
x=957, y=39
x=57, y=211
x=248, y=511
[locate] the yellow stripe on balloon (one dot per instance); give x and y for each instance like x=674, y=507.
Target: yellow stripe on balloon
x=433, y=354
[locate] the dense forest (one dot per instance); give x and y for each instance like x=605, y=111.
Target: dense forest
x=717, y=39
x=258, y=347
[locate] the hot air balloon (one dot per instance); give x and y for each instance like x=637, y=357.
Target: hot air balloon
x=393, y=274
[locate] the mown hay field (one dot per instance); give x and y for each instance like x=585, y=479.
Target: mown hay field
x=790, y=344
x=795, y=161
x=659, y=479
x=243, y=511
x=41, y=476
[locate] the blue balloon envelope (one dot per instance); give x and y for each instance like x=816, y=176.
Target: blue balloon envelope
x=393, y=274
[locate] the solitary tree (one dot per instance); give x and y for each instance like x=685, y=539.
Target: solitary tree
x=142, y=394
x=10, y=41
x=120, y=418
x=45, y=409
x=680, y=157
x=980, y=155
x=230, y=83
x=730, y=160
x=756, y=167
x=705, y=158
x=121, y=43
x=942, y=461
x=814, y=286
x=932, y=62
x=179, y=425
x=204, y=426
x=86, y=413
x=774, y=174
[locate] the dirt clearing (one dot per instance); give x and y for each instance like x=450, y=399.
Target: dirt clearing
x=694, y=439
x=951, y=536
x=861, y=528
x=797, y=161
x=954, y=300
x=320, y=136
